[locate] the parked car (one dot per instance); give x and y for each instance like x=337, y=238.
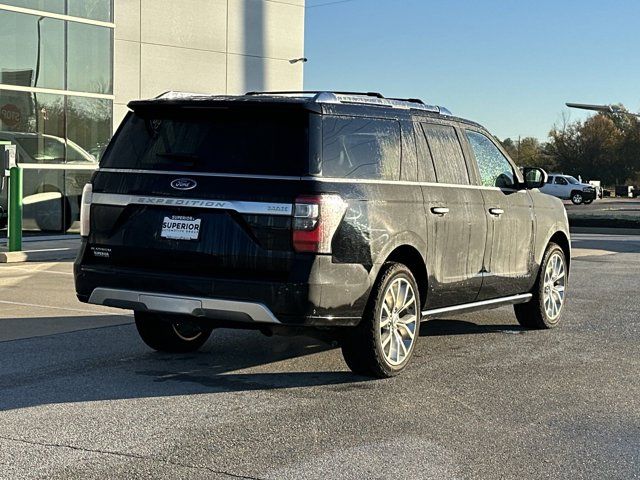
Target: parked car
x=55, y=172
x=348, y=216
x=569, y=188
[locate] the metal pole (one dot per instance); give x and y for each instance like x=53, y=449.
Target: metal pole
x=14, y=225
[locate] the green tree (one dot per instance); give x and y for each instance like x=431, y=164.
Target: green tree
x=604, y=147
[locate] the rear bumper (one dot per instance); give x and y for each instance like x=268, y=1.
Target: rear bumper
x=333, y=295
x=196, y=306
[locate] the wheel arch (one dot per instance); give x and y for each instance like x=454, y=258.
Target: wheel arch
x=561, y=239
x=409, y=256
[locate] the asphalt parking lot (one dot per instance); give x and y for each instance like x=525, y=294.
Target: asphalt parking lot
x=82, y=397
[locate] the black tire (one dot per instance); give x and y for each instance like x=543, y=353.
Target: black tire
x=362, y=346
x=533, y=314
x=171, y=333
x=587, y=202
x=577, y=198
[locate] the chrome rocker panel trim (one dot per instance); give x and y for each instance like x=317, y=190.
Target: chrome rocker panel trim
x=196, y=306
x=483, y=305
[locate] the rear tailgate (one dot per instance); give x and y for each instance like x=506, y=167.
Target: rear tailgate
x=207, y=191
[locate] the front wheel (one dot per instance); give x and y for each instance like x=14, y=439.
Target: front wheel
x=576, y=198
x=383, y=343
x=546, y=306
x=169, y=333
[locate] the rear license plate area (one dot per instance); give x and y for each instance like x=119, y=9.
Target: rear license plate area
x=178, y=227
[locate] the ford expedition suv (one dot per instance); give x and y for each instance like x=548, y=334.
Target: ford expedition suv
x=346, y=215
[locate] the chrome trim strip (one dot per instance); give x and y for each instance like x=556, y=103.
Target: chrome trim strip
x=494, y=302
x=256, y=208
x=195, y=306
x=297, y=179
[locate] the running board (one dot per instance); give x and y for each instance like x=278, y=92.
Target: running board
x=484, y=304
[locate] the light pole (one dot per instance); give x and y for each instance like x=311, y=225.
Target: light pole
x=602, y=108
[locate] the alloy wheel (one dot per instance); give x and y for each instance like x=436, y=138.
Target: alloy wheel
x=554, y=286
x=398, y=321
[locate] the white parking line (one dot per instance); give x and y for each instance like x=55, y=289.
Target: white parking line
x=48, y=307
x=35, y=270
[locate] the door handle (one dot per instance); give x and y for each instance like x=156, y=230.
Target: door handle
x=496, y=211
x=439, y=210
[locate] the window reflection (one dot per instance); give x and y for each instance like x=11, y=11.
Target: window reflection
x=93, y=9
x=59, y=138
x=54, y=6
x=32, y=53
x=89, y=58
x=88, y=125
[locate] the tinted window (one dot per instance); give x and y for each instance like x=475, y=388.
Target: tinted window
x=495, y=169
x=360, y=148
x=426, y=172
x=447, y=154
x=560, y=181
x=219, y=142
x=549, y=180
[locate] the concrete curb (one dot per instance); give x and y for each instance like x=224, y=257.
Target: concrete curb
x=43, y=251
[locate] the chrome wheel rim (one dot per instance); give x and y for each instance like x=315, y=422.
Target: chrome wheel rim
x=398, y=321
x=186, y=331
x=554, y=286
x=577, y=198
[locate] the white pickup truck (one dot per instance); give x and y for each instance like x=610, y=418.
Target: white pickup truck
x=569, y=188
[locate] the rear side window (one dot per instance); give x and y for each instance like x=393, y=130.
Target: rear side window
x=495, y=169
x=366, y=148
x=447, y=154
x=212, y=141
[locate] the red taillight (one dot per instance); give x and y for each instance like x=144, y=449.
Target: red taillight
x=315, y=220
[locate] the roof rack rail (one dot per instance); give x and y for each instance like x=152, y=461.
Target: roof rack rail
x=171, y=94
x=315, y=92
x=410, y=100
x=407, y=104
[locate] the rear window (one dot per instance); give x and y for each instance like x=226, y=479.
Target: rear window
x=366, y=148
x=212, y=141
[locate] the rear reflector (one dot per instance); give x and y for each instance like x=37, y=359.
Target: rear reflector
x=315, y=220
x=85, y=210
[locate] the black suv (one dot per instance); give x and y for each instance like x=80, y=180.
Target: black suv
x=349, y=215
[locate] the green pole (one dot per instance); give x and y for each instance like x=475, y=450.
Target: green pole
x=14, y=231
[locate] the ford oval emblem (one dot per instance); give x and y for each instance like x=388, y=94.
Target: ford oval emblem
x=184, y=184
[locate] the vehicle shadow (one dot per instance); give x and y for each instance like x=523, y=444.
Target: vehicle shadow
x=112, y=363
x=444, y=327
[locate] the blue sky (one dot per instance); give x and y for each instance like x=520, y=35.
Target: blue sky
x=510, y=64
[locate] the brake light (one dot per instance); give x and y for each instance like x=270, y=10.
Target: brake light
x=85, y=210
x=315, y=220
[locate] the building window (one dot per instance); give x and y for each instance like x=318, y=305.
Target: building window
x=56, y=102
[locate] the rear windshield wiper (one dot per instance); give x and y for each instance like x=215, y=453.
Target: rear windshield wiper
x=189, y=157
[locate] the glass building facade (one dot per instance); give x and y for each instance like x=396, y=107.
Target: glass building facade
x=56, y=101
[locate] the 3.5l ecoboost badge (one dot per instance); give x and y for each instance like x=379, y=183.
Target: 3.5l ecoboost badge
x=184, y=184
